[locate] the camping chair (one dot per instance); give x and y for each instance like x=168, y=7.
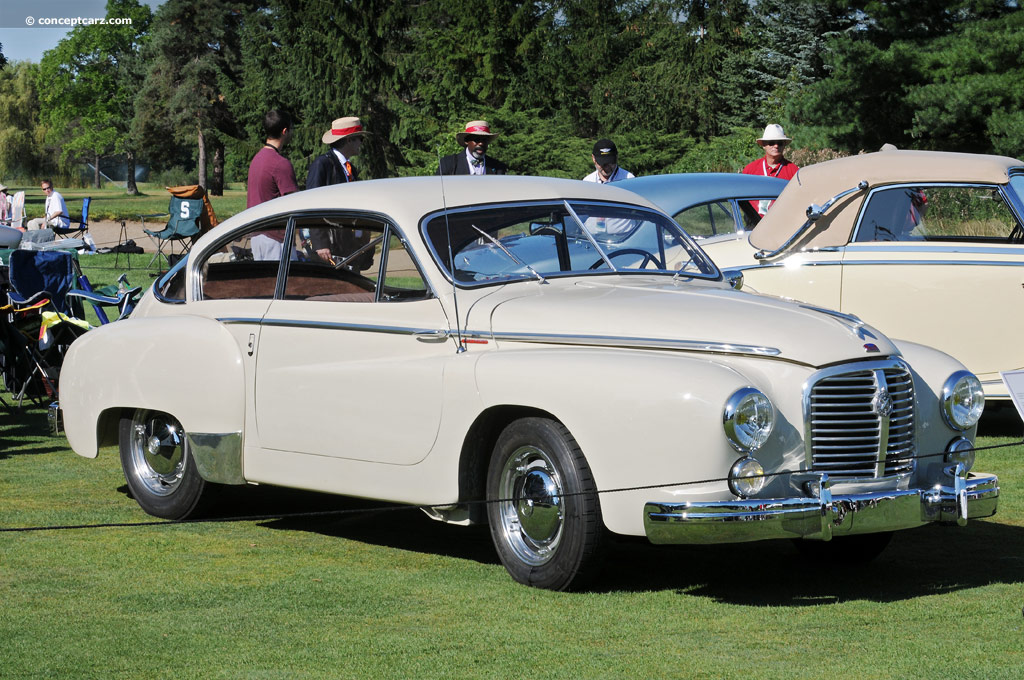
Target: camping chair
x=42, y=317
x=83, y=223
x=182, y=224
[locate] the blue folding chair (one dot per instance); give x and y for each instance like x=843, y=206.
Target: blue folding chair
x=83, y=223
x=182, y=224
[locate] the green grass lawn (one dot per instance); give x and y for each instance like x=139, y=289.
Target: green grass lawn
x=396, y=595
x=111, y=202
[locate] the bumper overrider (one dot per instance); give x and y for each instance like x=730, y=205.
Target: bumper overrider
x=824, y=514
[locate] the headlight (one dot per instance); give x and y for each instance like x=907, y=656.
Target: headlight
x=963, y=400
x=961, y=450
x=748, y=419
x=746, y=477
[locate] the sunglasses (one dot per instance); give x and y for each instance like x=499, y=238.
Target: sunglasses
x=775, y=143
x=478, y=140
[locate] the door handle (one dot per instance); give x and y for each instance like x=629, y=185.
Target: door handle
x=430, y=336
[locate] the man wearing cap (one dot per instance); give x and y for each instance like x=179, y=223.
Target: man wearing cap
x=606, y=160
x=774, y=142
x=474, y=160
x=335, y=167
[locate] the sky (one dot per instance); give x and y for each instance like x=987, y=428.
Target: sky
x=24, y=42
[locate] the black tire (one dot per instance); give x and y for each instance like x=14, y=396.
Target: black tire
x=158, y=466
x=845, y=550
x=543, y=507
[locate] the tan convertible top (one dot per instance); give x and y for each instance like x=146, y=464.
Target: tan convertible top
x=818, y=183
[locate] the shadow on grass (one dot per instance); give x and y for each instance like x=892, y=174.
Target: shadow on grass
x=927, y=561
x=26, y=431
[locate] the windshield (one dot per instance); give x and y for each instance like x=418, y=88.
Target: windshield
x=539, y=240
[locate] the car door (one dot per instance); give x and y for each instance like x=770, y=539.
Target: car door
x=940, y=265
x=353, y=350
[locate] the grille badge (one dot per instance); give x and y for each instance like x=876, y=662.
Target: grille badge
x=881, y=405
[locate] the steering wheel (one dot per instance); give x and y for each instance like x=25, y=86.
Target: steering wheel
x=647, y=257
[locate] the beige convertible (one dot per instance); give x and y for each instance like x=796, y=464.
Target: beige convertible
x=924, y=246
x=555, y=358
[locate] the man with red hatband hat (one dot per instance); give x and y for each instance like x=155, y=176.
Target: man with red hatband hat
x=474, y=160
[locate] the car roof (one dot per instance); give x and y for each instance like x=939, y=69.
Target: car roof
x=816, y=184
x=407, y=199
x=679, y=191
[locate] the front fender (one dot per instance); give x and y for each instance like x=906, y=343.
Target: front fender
x=187, y=366
x=640, y=418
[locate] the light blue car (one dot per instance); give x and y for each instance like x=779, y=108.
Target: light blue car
x=709, y=203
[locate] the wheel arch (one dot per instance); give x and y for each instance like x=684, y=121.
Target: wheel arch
x=477, y=447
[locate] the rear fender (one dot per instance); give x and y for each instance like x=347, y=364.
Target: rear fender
x=187, y=366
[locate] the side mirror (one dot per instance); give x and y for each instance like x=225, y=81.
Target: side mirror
x=734, y=277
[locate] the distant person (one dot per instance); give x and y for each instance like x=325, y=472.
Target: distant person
x=55, y=212
x=774, y=142
x=345, y=137
x=270, y=175
x=606, y=161
x=5, y=205
x=474, y=160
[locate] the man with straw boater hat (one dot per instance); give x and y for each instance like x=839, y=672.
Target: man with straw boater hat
x=774, y=142
x=345, y=137
x=474, y=160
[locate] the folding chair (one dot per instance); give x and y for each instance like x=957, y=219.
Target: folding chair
x=83, y=223
x=182, y=224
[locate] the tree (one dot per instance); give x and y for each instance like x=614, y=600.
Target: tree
x=194, y=72
x=87, y=84
x=20, y=131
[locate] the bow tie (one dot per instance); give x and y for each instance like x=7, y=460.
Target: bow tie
x=477, y=162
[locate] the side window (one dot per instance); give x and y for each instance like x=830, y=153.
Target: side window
x=707, y=219
x=338, y=259
x=402, y=280
x=931, y=213
x=246, y=266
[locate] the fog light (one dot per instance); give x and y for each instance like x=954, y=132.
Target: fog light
x=961, y=450
x=746, y=477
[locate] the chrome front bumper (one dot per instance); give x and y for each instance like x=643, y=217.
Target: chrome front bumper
x=971, y=496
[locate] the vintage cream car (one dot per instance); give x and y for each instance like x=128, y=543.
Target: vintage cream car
x=906, y=240
x=554, y=357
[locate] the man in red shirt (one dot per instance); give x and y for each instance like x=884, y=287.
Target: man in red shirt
x=774, y=142
x=270, y=175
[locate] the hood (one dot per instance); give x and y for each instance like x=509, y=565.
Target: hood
x=704, y=317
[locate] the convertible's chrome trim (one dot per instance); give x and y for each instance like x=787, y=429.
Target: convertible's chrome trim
x=218, y=456
x=632, y=342
x=851, y=263
x=970, y=496
x=814, y=213
x=934, y=247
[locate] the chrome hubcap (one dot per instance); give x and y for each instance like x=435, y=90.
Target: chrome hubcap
x=531, y=512
x=157, y=451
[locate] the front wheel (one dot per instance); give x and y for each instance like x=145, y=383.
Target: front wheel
x=543, y=507
x=158, y=466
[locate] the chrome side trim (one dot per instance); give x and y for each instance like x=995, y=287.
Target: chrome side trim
x=338, y=326
x=849, y=263
x=218, y=456
x=934, y=247
x=632, y=342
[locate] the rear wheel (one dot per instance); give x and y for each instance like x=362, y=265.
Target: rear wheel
x=543, y=507
x=158, y=466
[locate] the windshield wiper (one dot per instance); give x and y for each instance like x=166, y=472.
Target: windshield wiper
x=505, y=250
x=590, y=237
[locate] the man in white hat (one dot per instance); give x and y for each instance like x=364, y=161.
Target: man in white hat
x=345, y=137
x=774, y=142
x=474, y=160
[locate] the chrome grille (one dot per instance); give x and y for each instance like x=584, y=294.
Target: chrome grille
x=850, y=431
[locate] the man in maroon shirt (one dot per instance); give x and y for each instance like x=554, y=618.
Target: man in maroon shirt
x=774, y=142
x=270, y=175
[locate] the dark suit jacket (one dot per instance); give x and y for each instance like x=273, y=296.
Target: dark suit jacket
x=326, y=170
x=456, y=164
